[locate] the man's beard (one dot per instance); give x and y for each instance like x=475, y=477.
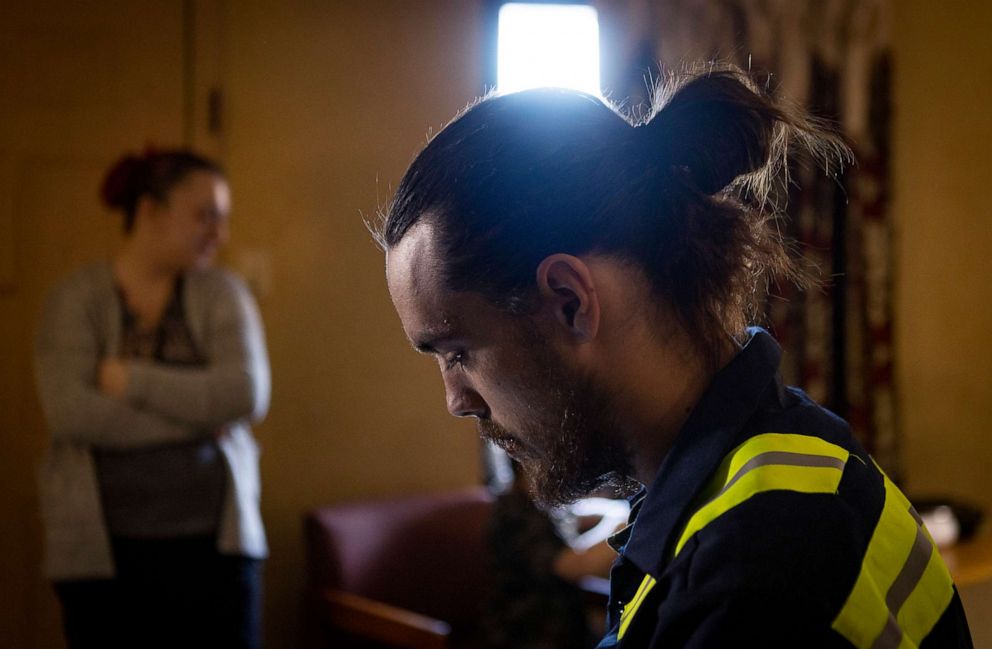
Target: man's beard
x=578, y=449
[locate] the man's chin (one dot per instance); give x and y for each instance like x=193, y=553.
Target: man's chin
x=550, y=490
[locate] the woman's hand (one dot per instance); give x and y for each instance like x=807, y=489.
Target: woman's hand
x=111, y=377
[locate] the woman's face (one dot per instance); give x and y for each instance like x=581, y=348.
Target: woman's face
x=192, y=224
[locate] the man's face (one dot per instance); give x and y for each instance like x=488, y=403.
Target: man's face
x=553, y=418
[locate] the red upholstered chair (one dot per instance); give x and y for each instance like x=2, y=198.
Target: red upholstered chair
x=406, y=572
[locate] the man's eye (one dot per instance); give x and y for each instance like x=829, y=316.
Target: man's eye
x=456, y=359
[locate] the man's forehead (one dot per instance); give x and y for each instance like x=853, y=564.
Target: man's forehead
x=413, y=273
x=414, y=264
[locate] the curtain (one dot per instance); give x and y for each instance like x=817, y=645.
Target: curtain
x=833, y=57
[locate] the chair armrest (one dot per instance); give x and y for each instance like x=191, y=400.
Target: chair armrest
x=373, y=620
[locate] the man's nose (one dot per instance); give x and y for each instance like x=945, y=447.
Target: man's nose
x=464, y=401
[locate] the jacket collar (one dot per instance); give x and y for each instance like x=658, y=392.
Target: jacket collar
x=715, y=426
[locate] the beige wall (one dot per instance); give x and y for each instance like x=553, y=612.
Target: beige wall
x=943, y=215
x=326, y=102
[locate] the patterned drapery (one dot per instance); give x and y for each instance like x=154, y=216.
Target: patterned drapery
x=832, y=56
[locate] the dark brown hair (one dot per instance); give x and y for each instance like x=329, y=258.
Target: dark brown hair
x=154, y=174
x=686, y=193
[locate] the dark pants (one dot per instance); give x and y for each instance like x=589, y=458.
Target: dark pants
x=167, y=593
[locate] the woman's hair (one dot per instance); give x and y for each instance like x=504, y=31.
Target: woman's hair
x=687, y=193
x=154, y=173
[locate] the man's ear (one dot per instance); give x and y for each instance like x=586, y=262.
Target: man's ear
x=568, y=289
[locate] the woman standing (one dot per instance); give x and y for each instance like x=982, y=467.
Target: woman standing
x=150, y=369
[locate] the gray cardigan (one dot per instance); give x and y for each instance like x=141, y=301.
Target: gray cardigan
x=81, y=324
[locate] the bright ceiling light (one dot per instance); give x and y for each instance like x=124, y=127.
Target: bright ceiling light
x=548, y=45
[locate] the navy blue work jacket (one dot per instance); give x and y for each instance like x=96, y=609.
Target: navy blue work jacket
x=769, y=526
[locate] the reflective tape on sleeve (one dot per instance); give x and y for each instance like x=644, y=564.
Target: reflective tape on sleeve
x=903, y=587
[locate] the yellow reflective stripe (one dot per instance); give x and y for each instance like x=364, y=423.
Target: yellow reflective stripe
x=903, y=587
x=767, y=443
x=630, y=610
x=773, y=461
x=929, y=599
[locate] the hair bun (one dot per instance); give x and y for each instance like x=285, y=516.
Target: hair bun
x=716, y=127
x=122, y=183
